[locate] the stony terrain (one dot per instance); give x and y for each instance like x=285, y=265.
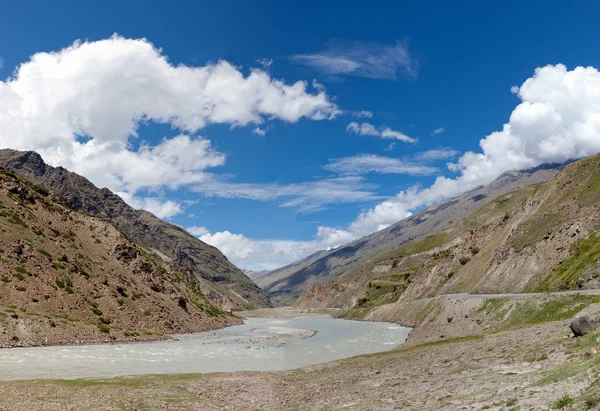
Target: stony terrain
x=285, y=284
x=68, y=277
x=527, y=360
x=229, y=287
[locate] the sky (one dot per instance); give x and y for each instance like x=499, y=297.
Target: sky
x=272, y=130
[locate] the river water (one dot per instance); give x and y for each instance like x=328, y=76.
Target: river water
x=260, y=344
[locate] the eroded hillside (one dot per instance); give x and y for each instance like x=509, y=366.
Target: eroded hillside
x=539, y=238
x=284, y=285
x=230, y=288
x=71, y=277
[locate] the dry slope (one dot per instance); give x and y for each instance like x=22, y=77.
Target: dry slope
x=539, y=238
x=230, y=288
x=284, y=285
x=71, y=277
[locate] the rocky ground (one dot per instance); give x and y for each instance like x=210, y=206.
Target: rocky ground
x=523, y=367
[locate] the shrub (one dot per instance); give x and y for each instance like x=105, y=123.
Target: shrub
x=464, y=260
x=591, y=400
x=5, y=280
x=20, y=276
x=46, y=297
x=41, y=189
x=35, y=300
x=44, y=252
x=147, y=312
x=69, y=283
x=63, y=258
x=121, y=301
x=21, y=289
x=94, y=304
x=60, y=284
x=103, y=328
x=96, y=311
x=58, y=266
x=69, y=289
x=474, y=250
x=104, y=320
x=361, y=301
x=20, y=270
x=563, y=402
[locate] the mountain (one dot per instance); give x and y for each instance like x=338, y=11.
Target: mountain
x=285, y=284
x=540, y=238
x=68, y=277
x=227, y=286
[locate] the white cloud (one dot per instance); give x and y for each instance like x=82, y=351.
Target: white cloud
x=514, y=89
x=390, y=147
x=557, y=120
x=438, y=131
x=157, y=206
x=82, y=106
x=436, y=154
x=370, y=163
x=307, y=196
x=269, y=254
x=367, y=129
x=362, y=113
x=266, y=63
x=1, y=62
x=362, y=59
x=260, y=131
x=197, y=231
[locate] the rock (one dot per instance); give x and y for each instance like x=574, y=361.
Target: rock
x=449, y=319
x=592, y=352
x=582, y=324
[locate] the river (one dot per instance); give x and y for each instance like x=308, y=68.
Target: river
x=260, y=344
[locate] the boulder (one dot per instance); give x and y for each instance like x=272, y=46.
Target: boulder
x=583, y=324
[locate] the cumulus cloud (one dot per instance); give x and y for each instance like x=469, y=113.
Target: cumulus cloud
x=269, y=254
x=157, y=206
x=371, y=163
x=81, y=107
x=197, y=231
x=308, y=196
x=367, y=129
x=438, y=131
x=557, y=120
x=362, y=59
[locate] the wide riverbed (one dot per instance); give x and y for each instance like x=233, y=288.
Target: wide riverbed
x=260, y=344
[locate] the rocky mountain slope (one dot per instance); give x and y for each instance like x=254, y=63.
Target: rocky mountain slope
x=285, y=284
x=539, y=238
x=229, y=287
x=70, y=277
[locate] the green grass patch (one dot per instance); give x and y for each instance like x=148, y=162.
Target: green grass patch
x=44, y=252
x=584, y=253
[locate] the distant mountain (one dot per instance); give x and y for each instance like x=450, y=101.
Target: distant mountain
x=543, y=237
x=67, y=276
x=228, y=286
x=285, y=284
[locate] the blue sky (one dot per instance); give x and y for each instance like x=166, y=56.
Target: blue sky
x=394, y=91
